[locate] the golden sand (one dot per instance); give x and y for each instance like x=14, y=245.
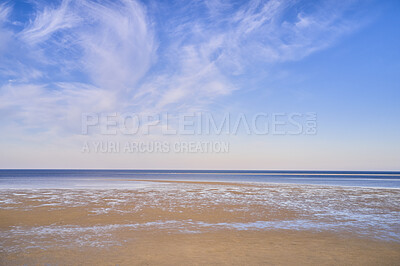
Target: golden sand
x=187, y=223
x=222, y=248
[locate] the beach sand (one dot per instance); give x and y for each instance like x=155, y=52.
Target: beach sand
x=181, y=223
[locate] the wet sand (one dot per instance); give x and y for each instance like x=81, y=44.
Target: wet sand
x=200, y=223
x=222, y=247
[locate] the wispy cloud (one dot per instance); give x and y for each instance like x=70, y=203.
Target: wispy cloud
x=49, y=21
x=4, y=11
x=84, y=56
x=5, y=35
x=121, y=46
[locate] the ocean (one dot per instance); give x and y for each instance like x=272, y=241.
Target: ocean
x=19, y=179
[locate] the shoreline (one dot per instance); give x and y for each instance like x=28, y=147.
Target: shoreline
x=72, y=181
x=247, y=183
x=173, y=220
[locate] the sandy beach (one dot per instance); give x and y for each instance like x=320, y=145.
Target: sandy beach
x=184, y=223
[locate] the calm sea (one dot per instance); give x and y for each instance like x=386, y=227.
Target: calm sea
x=106, y=178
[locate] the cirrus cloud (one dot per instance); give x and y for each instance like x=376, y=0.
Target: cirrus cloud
x=87, y=56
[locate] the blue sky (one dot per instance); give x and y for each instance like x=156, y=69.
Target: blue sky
x=340, y=60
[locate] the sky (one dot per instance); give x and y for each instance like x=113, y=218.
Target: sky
x=329, y=66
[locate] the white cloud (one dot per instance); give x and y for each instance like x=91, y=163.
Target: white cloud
x=5, y=35
x=121, y=46
x=48, y=21
x=89, y=56
x=4, y=12
x=57, y=109
x=206, y=51
x=111, y=44
x=267, y=32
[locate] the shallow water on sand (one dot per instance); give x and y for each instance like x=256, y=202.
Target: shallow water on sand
x=53, y=214
x=87, y=217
